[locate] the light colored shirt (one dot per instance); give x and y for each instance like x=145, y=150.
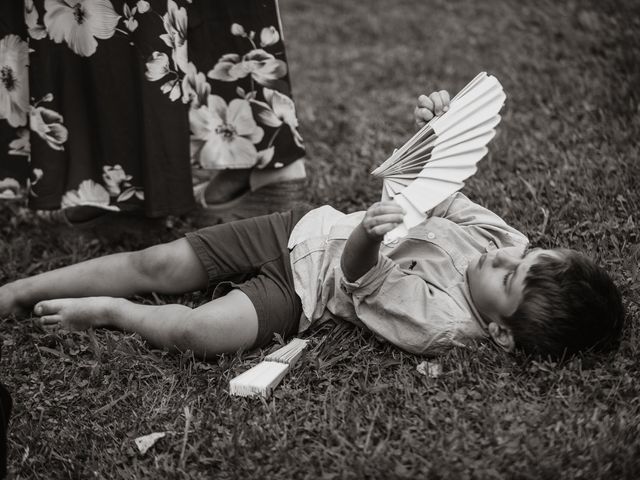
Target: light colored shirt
x=416, y=296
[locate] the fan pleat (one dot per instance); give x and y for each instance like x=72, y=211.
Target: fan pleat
x=433, y=163
x=436, y=191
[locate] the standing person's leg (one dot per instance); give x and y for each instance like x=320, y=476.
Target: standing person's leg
x=269, y=175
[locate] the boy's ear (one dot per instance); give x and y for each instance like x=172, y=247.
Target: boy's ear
x=502, y=336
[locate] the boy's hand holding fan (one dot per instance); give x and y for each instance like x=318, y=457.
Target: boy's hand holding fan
x=381, y=218
x=434, y=162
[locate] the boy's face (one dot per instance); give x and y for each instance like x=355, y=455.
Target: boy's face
x=496, y=280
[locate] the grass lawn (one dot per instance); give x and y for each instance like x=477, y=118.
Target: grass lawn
x=563, y=169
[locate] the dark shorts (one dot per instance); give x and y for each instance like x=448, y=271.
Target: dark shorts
x=252, y=256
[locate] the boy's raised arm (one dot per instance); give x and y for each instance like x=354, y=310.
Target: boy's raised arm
x=361, y=251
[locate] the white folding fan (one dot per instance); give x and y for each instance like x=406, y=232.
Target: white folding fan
x=434, y=162
x=262, y=378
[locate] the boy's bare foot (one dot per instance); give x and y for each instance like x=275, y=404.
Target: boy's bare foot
x=76, y=313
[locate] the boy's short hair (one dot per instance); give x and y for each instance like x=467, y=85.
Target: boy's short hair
x=569, y=305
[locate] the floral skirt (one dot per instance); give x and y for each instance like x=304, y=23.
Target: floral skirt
x=120, y=104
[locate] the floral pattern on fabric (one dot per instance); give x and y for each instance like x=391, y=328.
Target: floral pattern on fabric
x=48, y=124
x=14, y=87
x=89, y=193
x=118, y=142
x=80, y=22
x=226, y=134
x=264, y=70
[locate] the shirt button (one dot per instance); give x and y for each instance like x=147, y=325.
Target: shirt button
x=431, y=235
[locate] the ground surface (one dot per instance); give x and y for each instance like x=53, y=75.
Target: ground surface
x=563, y=169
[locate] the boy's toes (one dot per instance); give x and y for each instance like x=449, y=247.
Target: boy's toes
x=46, y=307
x=50, y=320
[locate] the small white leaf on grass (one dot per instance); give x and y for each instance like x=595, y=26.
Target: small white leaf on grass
x=145, y=442
x=429, y=369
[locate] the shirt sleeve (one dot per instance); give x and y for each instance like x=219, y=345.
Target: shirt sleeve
x=462, y=211
x=404, y=309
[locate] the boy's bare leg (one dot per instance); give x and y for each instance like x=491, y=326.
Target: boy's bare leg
x=170, y=268
x=223, y=325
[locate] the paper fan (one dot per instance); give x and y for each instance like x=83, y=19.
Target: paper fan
x=434, y=162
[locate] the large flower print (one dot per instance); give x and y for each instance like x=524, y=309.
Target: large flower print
x=263, y=67
x=195, y=88
x=36, y=30
x=278, y=110
x=48, y=125
x=80, y=22
x=175, y=24
x=119, y=183
x=14, y=86
x=225, y=136
x=157, y=66
x=22, y=144
x=9, y=188
x=88, y=193
x=114, y=177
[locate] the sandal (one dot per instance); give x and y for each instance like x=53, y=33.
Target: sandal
x=62, y=218
x=275, y=197
x=102, y=220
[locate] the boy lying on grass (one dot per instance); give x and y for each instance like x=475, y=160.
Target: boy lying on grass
x=460, y=276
